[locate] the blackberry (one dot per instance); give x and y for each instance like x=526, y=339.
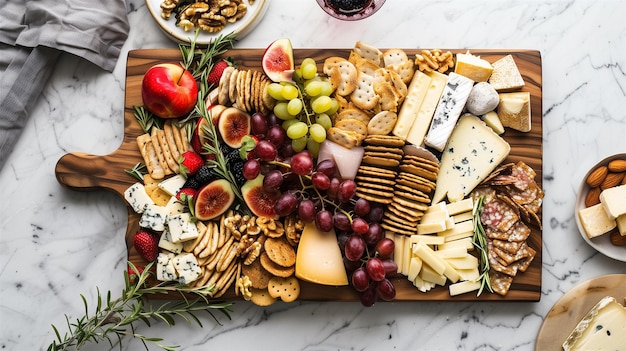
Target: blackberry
x=192, y=183
x=236, y=168
x=349, y=6
x=204, y=175
x=230, y=154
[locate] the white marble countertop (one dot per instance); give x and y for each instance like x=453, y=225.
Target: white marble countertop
x=56, y=244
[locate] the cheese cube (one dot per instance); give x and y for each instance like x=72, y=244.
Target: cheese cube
x=173, y=184
x=165, y=242
x=165, y=269
x=473, y=67
x=187, y=267
x=153, y=217
x=595, y=221
x=614, y=201
x=514, y=111
x=137, y=197
x=181, y=227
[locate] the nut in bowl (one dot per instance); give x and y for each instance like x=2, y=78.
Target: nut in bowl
x=179, y=19
x=601, y=207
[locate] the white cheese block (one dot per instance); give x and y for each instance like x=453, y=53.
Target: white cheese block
x=493, y=121
x=463, y=287
x=153, y=217
x=427, y=109
x=614, y=201
x=165, y=269
x=187, y=268
x=407, y=115
x=602, y=328
x=319, y=258
x=137, y=197
x=596, y=221
x=165, y=242
x=448, y=110
x=346, y=160
x=472, y=153
x=465, y=205
x=434, y=217
x=181, y=227
x=173, y=184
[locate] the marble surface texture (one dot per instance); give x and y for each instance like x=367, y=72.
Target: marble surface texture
x=56, y=244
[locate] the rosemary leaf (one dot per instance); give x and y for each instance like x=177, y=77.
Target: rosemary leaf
x=479, y=239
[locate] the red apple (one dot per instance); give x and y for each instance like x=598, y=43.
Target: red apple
x=168, y=90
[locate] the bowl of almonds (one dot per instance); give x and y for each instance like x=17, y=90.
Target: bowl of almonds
x=601, y=207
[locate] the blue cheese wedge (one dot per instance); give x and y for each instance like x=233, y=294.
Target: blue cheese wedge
x=154, y=218
x=165, y=270
x=173, y=184
x=473, y=151
x=448, y=111
x=187, y=268
x=602, y=328
x=137, y=197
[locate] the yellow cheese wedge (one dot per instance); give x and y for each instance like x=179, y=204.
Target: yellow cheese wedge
x=514, y=111
x=602, y=328
x=473, y=67
x=493, y=121
x=319, y=258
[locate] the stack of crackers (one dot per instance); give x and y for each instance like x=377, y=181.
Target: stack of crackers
x=162, y=148
x=246, y=89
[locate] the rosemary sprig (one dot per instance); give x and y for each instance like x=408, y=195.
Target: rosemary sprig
x=137, y=171
x=114, y=319
x=200, y=62
x=479, y=240
x=146, y=119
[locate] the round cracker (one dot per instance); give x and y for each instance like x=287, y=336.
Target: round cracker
x=382, y=123
x=258, y=275
x=275, y=269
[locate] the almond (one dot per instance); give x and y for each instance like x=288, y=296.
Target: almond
x=611, y=180
x=616, y=239
x=593, y=197
x=597, y=176
x=617, y=166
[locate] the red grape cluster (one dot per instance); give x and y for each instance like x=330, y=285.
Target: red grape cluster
x=316, y=192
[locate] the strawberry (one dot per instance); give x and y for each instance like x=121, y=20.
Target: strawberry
x=185, y=194
x=190, y=162
x=146, y=245
x=132, y=275
x=216, y=72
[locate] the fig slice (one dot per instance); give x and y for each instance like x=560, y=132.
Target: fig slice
x=259, y=201
x=214, y=199
x=277, y=61
x=234, y=126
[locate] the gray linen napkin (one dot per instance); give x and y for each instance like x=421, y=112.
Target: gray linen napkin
x=33, y=33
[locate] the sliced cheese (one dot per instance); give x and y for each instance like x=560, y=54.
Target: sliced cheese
x=463, y=287
x=614, y=201
x=448, y=110
x=420, y=126
x=452, y=252
x=462, y=217
x=430, y=275
x=429, y=257
x=472, y=153
x=427, y=239
x=465, y=243
x=459, y=228
x=415, y=266
x=506, y=75
x=406, y=255
x=412, y=102
x=467, y=262
x=398, y=251
x=602, y=328
x=596, y=221
x=431, y=227
x=464, y=205
x=319, y=258
x=469, y=274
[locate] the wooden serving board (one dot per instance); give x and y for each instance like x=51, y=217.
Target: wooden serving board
x=84, y=172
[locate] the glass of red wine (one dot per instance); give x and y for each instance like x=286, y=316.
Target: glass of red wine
x=350, y=10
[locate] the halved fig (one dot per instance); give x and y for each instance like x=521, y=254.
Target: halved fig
x=200, y=136
x=214, y=199
x=234, y=125
x=259, y=201
x=277, y=61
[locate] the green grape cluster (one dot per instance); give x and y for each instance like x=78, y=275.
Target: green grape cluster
x=305, y=105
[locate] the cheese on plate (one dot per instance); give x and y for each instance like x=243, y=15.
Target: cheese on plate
x=595, y=221
x=602, y=328
x=614, y=201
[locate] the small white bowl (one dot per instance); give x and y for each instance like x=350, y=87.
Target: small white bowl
x=601, y=243
x=242, y=27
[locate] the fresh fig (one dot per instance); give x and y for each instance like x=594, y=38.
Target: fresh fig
x=277, y=61
x=199, y=135
x=214, y=199
x=234, y=125
x=259, y=201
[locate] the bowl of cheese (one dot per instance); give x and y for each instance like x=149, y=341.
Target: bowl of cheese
x=601, y=207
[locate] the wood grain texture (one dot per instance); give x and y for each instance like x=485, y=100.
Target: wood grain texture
x=85, y=172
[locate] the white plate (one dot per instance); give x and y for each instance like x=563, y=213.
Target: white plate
x=574, y=305
x=242, y=27
x=601, y=243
